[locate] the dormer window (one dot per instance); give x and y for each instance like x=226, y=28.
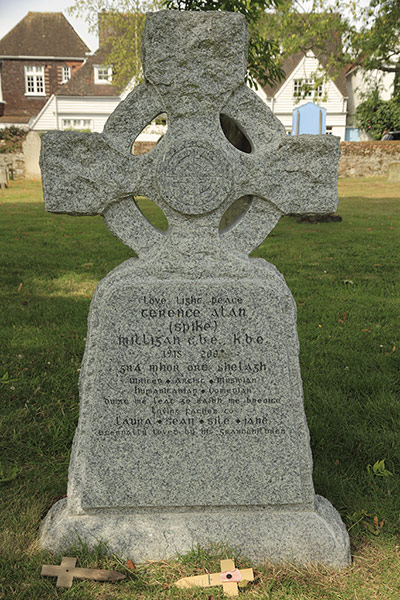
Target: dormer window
x=102, y=74
x=34, y=81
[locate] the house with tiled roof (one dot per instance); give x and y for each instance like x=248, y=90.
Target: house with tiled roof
x=90, y=96
x=85, y=101
x=300, y=88
x=37, y=56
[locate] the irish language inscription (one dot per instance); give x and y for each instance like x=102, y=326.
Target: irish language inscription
x=198, y=367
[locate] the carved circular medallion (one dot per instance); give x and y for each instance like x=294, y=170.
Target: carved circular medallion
x=194, y=177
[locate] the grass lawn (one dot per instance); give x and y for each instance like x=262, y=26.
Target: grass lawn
x=345, y=280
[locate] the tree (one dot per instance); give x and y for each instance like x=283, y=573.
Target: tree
x=320, y=28
x=119, y=24
x=124, y=22
x=376, y=44
x=377, y=116
x=341, y=33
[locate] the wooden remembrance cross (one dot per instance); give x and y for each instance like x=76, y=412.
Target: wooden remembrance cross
x=162, y=458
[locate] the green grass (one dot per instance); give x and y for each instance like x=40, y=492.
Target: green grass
x=345, y=280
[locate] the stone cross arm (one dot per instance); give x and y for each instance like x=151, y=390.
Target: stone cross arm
x=83, y=173
x=194, y=66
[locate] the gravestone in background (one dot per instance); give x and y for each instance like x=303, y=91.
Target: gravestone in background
x=394, y=171
x=31, y=150
x=3, y=177
x=192, y=427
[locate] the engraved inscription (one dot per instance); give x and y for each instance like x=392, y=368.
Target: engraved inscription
x=182, y=373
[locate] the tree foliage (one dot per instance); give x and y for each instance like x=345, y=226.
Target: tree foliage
x=339, y=32
x=11, y=139
x=122, y=23
x=319, y=28
x=377, y=116
x=125, y=29
x=376, y=45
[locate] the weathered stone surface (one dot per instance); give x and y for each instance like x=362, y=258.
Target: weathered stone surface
x=14, y=164
x=192, y=426
x=394, y=171
x=3, y=178
x=274, y=533
x=31, y=150
x=367, y=159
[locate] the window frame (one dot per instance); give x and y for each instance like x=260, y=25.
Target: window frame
x=70, y=123
x=299, y=86
x=100, y=80
x=34, y=80
x=65, y=74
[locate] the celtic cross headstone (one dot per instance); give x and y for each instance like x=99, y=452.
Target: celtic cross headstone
x=192, y=425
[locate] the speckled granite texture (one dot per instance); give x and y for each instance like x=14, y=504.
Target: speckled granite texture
x=192, y=427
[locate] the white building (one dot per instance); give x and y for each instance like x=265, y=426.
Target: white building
x=84, y=102
x=287, y=95
x=88, y=98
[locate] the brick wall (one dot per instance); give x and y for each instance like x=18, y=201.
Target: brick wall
x=367, y=159
x=13, y=84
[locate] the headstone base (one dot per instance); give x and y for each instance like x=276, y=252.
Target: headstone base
x=267, y=534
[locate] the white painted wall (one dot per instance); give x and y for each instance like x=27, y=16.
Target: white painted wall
x=46, y=119
x=97, y=110
x=332, y=99
x=284, y=102
x=282, y=105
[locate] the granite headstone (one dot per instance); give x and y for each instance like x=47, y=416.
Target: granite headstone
x=192, y=427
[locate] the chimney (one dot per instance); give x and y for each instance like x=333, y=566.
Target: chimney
x=105, y=26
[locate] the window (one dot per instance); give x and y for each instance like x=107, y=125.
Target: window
x=65, y=74
x=34, y=81
x=76, y=124
x=305, y=88
x=297, y=83
x=102, y=74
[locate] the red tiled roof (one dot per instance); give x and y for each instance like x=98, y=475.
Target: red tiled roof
x=43, y=34
x=82, y=82
x=15, y=119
